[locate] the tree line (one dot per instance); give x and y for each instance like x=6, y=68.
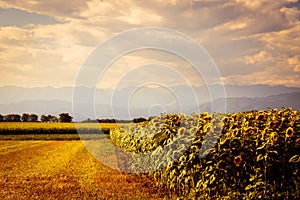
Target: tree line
x=26, y=117
x=63, y=117
x=135, y=120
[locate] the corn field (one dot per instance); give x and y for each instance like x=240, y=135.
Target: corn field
x=246, y=155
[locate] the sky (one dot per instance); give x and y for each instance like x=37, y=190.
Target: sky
x=45, y=43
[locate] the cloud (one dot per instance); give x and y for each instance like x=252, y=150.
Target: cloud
x=62, y=10
x=15, y=17
x=251, y=41
x=262, y=56
x=295, y=63
x=164, y=68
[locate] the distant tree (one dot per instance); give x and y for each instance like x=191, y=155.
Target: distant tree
x=65, y=117
x=106, y=121
x=49, y=118
x=44, y=118
x=25, y=117
x=17, y=118
x=138, y=120
x=12, y=118
x=88, y=120
x=53, y=118
x=1, y=118
x=33, y=118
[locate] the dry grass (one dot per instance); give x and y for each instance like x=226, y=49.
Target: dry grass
x=64, y=170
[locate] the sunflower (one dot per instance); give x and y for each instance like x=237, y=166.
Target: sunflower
x=264, y=132
x=207, y=128
x=235, y=132
x=255, y=131
x=248, y=130
x=235, y=117
x=261, y=116
x=272, y=124
x=237, y=160
x=182, y=159
x=273, y=137
x=224, y=139
x=194, y=149
x=194, y=130
x=226, y=120
x=289, y=132
x=177, y=123
x=251, y=131
x=182, y=131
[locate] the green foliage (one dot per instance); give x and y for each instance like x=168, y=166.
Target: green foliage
x=256, y=154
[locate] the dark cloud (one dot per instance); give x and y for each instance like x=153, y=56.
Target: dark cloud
x=16, y=17
x=294, y=5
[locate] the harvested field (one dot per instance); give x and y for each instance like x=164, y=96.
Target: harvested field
x=64, y=170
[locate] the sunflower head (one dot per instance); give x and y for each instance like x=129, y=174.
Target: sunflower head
x=272, y=124
x=273, y=137
x=182, y=131
x=251, y=131
x=207, y=128
x=226, y=120
x=182, y=159
x=235, y=132
x=224, y=139
x=194, y=131
x=248, y=130
x=194, y=149
x=261, y=116
x=237, y=160
x=178, y=120
x=289, y=132
x=157, y=124
x=235, y=117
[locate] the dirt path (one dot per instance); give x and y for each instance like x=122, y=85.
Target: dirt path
x=64, y=170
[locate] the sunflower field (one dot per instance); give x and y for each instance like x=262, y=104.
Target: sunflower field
x=246, y=155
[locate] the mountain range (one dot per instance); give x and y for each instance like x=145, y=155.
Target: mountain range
x=127, y=103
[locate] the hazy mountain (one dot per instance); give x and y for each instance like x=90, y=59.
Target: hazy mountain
x=256, y=103
x=13, y=94
x=234, y=104
x=53, y=107
x=129, y=103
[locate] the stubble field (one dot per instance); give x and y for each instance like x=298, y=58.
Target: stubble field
x=64, y=170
